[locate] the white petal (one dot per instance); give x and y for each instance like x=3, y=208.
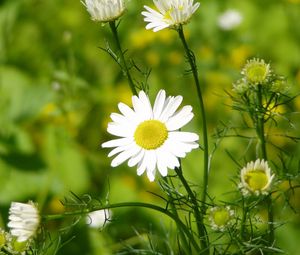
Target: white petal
x=117, y=142
x=180, y=119
x=123, y=156
x=119, y=149
x=183, y=136
x=159, y=103
x=120, y=130
x=136, y=158
x=171, y=107
x=142, y=106
x=161, y=163
x=127, y=111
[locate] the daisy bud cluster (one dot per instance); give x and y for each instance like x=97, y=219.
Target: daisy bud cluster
x=256, y=73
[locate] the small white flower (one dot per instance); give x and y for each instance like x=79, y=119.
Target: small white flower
x=98, y=219
x=230, y=19
x=170, y=13
x=24, y=220
x=150, y=137
x=221, y=218
x=256, y=178
x=105, y=10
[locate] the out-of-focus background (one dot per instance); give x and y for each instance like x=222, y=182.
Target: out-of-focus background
x=58, y=88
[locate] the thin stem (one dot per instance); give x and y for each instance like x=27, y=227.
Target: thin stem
x=174, y=211
x=260, y=130
x=244, y=218
x=129, y=204
x=199, y=219
x=192, y=61
x=123, y=63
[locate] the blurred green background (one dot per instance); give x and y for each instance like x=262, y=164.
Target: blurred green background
x=57, y=90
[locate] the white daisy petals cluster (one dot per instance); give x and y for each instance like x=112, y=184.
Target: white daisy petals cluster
x=105, y=10
x=24, y=220
x=150, y=137
x=170, y=13
x=256, y=178
x=230, y=19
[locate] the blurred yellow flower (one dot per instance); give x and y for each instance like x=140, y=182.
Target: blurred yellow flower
x=239, y=56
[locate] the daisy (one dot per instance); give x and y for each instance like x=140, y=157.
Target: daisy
x=150, y=137
x=256, y=71
x=256, y=178
x=24, y=220
x=221, y=218
x=170, y=13
x=105, y=10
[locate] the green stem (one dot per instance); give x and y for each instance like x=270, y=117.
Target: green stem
x=174, y=211
x=123, y=63
x=129, y=204
x=193, y=65
x=199, y=219
x=260, y=131
x=192, y=62
x=244, y=218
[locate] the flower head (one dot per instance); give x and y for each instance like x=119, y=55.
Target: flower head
x=105, y=10
x=170, y=13
x=256, y=178
x=97, y=219
x=256, y=71
x=220, y=217
x=230, y=19
x=24, y=220
x=149, y=137
x=16, y=247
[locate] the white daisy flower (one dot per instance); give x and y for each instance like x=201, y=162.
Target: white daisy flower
x=170, y=13
x=97, y=219
x=150, y=137
x=230, y=19
x=104, y=10
x=24, y=220
x=256, y=178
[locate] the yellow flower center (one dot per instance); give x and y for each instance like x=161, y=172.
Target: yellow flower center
x=19, y=246
x=256, y=180
x=221, y=217
x=257, y=72
x=151, y=134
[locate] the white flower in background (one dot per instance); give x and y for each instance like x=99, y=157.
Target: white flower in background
x=170, y=13
x=24, y=220
x=256, y=178
x=98, y=219
x=104, y=10
x=221, y=218
x=150, y=137
x=230, y=19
